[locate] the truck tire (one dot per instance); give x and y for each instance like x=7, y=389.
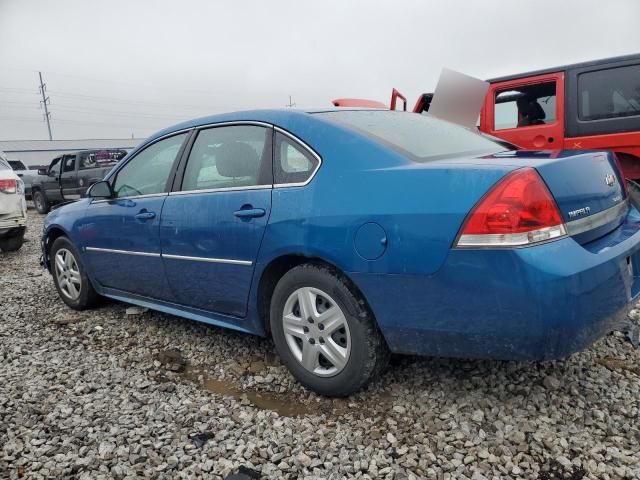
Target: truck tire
x=40, y=201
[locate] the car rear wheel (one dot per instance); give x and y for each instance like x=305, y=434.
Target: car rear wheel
x=69, y=276
x=324, y=333
x=40, y=201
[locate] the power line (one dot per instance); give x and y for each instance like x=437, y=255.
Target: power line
x=95, y=98
x=18, y=90
x=45, y=101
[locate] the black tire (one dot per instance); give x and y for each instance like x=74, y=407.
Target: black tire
x=87, y=297
x=12, y=243
x=40, y=201
x=369, y=353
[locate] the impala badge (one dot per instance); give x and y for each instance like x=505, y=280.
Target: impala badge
x=579, y=212
x=609, y=179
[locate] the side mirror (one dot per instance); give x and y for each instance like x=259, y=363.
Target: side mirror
x=42, y=171
x=52, y=173
x=101, y=189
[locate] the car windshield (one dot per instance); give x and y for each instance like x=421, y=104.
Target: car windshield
x=17, y=165
x=420, y=137
x=4, y=165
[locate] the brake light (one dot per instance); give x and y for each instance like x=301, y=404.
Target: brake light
x=8, y=186
x=518, y=210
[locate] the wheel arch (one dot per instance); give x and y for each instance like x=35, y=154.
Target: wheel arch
x=50, y=236
x=279, y=266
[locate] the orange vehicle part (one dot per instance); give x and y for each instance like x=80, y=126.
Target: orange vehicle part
x=357, y=102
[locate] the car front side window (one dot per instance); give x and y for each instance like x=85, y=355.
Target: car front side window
x=55, y=167
x=147, y=173
x=69, y=163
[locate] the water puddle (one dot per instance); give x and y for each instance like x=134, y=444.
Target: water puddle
x=618, y=364
x=284, y=404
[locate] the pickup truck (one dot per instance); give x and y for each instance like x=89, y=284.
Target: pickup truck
x=70, y=175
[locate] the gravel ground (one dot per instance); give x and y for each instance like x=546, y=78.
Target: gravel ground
x=103, y=394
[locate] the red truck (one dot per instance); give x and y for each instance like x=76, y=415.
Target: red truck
x=589, y=105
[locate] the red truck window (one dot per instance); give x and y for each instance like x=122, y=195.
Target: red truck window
x=525, y=106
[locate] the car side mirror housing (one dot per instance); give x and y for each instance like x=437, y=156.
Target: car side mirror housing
x=101, y=189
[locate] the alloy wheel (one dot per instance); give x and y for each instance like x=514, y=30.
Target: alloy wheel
x=68, y=274
x=316, y=331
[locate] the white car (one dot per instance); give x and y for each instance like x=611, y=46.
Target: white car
x=13, y=208
x=25, y=174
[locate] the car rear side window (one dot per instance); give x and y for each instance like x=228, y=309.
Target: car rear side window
x=147, y=173
x=611, y=93
x=293, y=163
x=229, y=157
x=419, y=137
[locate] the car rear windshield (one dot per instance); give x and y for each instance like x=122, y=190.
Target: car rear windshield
x=420, y=137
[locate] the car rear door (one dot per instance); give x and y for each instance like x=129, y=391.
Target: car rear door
x=528, y=112
x=121, y=235
x=213, y=222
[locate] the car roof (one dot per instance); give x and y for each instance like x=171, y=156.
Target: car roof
x=267, y=115
x=590, y=63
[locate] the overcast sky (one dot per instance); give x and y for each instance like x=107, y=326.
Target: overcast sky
x=121, y=67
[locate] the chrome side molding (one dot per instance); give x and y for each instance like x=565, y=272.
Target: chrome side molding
x=230, y=261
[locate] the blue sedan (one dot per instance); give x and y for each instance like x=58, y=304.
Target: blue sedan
x=349, y=234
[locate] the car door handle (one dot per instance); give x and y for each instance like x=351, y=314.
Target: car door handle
x=145, y=215
x=249, y=213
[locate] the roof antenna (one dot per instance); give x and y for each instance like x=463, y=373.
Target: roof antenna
x=290, y=104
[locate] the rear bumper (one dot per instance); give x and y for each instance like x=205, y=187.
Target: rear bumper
x=535, y=303
x=12, y=232
x=9, y=225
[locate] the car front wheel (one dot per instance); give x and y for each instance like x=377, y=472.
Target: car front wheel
x=324, y=332
x=70, y=277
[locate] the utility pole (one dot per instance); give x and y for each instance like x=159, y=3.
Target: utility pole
x=290, y=104
x=45, y=102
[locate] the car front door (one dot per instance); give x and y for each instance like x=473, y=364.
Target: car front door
x=212, y=225
x=527, y=112
x=51, y=184
x=69, y=179
x=121, y=235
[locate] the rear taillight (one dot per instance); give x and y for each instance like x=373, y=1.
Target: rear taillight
x=518, y=210
x=8, y=186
